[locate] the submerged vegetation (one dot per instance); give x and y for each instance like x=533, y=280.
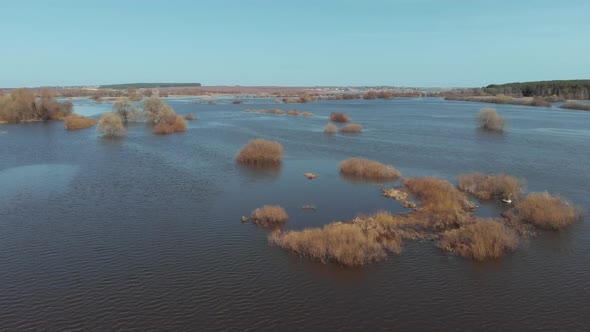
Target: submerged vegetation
x=22, y=105
x=482, y=240
x=503, y=99
x=490, y=120
x=364, y=169
x=111, y=125
x=339, y=117
x=269, y=215
x=544, y=211
x=330, y=129
x=571, y=105
x=491, y=186
x=76, y=122
x=261, y=152
x=352, y=128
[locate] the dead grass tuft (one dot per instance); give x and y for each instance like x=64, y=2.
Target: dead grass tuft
x=260, y=152
x=491, y=186
x=352, y=128
x=269, y=215
x=545, y=211
x=365, y=169
x=339, y=117
x=482, y=240
x=76, y=122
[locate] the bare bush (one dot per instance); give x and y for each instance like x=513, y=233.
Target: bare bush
x=365, y=169
x=339, y=117
x=76, y=122
x=490, y=120
x=491, y=186
x=330, y=129
x=352, y=128
x=110, y=125
x=269, y=215
x=545, y=211
x=260, y=152
x=572, y=105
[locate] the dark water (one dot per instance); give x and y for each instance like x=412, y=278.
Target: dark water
x=144, y=233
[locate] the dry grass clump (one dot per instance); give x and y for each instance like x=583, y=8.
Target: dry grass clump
x=503, y=99
x=571, y=105
x=482, y=240
x=330, y=129
x=271, y=111
x=76, y=122
x=111, y=125
x=339, y=117
x=293, y=112
x=352, y=128
x=443, y=206
x=306, y=114
x=491, y=186
x=269, y=215
x=310, y=176
x=261, y=152
x=176, y=125
x=189, y=117
x=237, y=102
x=344, y=243
x=545, y=211
x=490, y=120
x=365, y=169
x=399, y=195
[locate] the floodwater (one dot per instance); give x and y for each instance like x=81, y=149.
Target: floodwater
x=144, y=233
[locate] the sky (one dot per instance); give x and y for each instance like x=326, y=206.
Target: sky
x=427, y=43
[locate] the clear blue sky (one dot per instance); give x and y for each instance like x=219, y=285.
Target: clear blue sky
x=331, y=42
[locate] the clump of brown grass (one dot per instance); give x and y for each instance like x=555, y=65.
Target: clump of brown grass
x=270, y=111
x=306, y=114
x=261, y=152
x=443, y=206
x=310, y=176
x=293, y=112
x=482, y=240
x=572, y=105
x=352, y=128
x=339, y=117
x=344, y=243
x=330, y=129
x=365, y=169
x=168, y=127
x=545, y=211
x=491, y=186
x=399, y=195
x=76, y=122
x=269, y=215
x=237, y=102
x=490, y=120
x=189, y=117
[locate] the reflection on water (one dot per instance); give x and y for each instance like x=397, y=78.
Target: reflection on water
x=259, y=173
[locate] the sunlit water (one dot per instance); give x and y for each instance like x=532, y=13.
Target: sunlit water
x=144, y=233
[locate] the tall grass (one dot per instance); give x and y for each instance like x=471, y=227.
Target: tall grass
x=330, y=129
x=364, y=169
x=352, y=128
x=545, y=211
x=339, y=117
x=269, y=215
x=491, y=186
x=490, y=120
x=344, y=243
x=482, y=240
x=260, y=152
x=76, y=122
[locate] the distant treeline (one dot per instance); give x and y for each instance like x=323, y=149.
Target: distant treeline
x=568, y=89
x=148, y=85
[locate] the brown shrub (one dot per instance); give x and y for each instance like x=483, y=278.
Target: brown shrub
x=293, y=112
x=237, y=102
x=482, y=240
x=339, y=117
x=344, y=243
x=75, y=122
x=305, y=98
x=306, y=114
x=352, y=128
x=260, y=152
x=365, y=169
x=269, y=215
x=491, y=186
x=189, y=117
x=370, y=95
x=168, y=127
x=330, y=129
x=490, y=120
x=545, y=211
x=443, y=206
x=572, y=105
x=111, y=125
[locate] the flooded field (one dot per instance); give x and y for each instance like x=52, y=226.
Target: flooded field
x=145, y=232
